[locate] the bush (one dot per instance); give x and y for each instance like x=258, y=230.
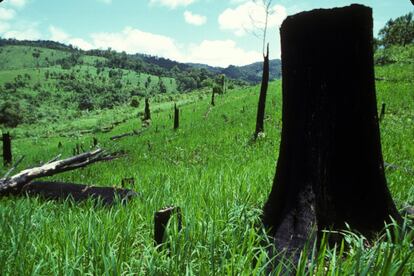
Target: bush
x=395, y=54
x=217, y=90
x=135, y=101
x=10, y=114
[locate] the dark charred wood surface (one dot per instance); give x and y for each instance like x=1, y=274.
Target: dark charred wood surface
x=262, y=97
x=329, y=122
x=78, y=192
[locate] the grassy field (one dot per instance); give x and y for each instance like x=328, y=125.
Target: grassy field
x=210, y=169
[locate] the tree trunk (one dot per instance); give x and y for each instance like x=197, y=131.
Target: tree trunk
x=161, y=219
x=176, y=117
x=330, y=169
x=7, y=152
x=147, y=112
x=262, y=98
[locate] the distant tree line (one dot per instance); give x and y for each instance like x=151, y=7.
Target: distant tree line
x=395, y=42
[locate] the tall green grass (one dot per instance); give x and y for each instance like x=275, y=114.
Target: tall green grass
x=209, y=168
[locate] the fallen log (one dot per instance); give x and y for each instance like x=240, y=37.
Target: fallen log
x=133, y=133
x=78, y=192
x=16, y=182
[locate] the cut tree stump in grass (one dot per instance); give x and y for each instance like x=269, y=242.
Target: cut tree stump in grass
x=161, y=219
x=7, y=151
x=330, y=170
x=78, y=192
x=147, y=112
x=176, y=117
x=129, y=181
x=213, y=103
x=94, y=142
x=382, y=114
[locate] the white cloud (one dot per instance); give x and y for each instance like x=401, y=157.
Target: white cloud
x=105, y=1
x=172, y=3
x=194, y=19
x=6, y=14
x=23, y=32
x=133, y=40
x=250, y=16
x=80, y=43
x=17, y=3
x=57, y=34
x=213, y=52
x=238, y=1
x=221, y=53
x=4, y=26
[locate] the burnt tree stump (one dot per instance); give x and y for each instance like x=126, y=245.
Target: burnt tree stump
x=262, y=98
x=382, y=114
x=94, y=142
x=176, y=117
x=161, y=219
x=129, y=181
x=147, y=112
x=7, y=152
x=330, y=169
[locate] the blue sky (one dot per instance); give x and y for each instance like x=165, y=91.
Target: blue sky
x=215, y=32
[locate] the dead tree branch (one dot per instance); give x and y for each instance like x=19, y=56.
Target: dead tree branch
x=133, y=133
x=16, y=182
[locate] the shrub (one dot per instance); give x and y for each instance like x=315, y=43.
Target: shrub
x=135, y=101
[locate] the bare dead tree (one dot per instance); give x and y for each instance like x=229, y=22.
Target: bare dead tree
x=261, y=106
x=7, y=152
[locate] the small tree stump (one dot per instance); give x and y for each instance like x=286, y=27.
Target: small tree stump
x=94, y=142
x=147, y=112
x=161, y=219
x=382, y=114
x=7, y=152
x=130, y=181
x=176, y=117
x=212, y=98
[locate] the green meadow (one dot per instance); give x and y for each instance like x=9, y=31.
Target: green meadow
x=209, y=167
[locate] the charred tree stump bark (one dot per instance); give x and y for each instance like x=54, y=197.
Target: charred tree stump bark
x=161, y=219
x=212, y=98
x=329, y=122
x=78, y=192
x=94, y=142
x=7, y=152
x=147, y=112
x=176, y=117
x=262, y=98
x=382, y=114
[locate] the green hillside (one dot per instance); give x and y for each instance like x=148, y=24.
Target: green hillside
x=209, y=168
x=41, y=84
